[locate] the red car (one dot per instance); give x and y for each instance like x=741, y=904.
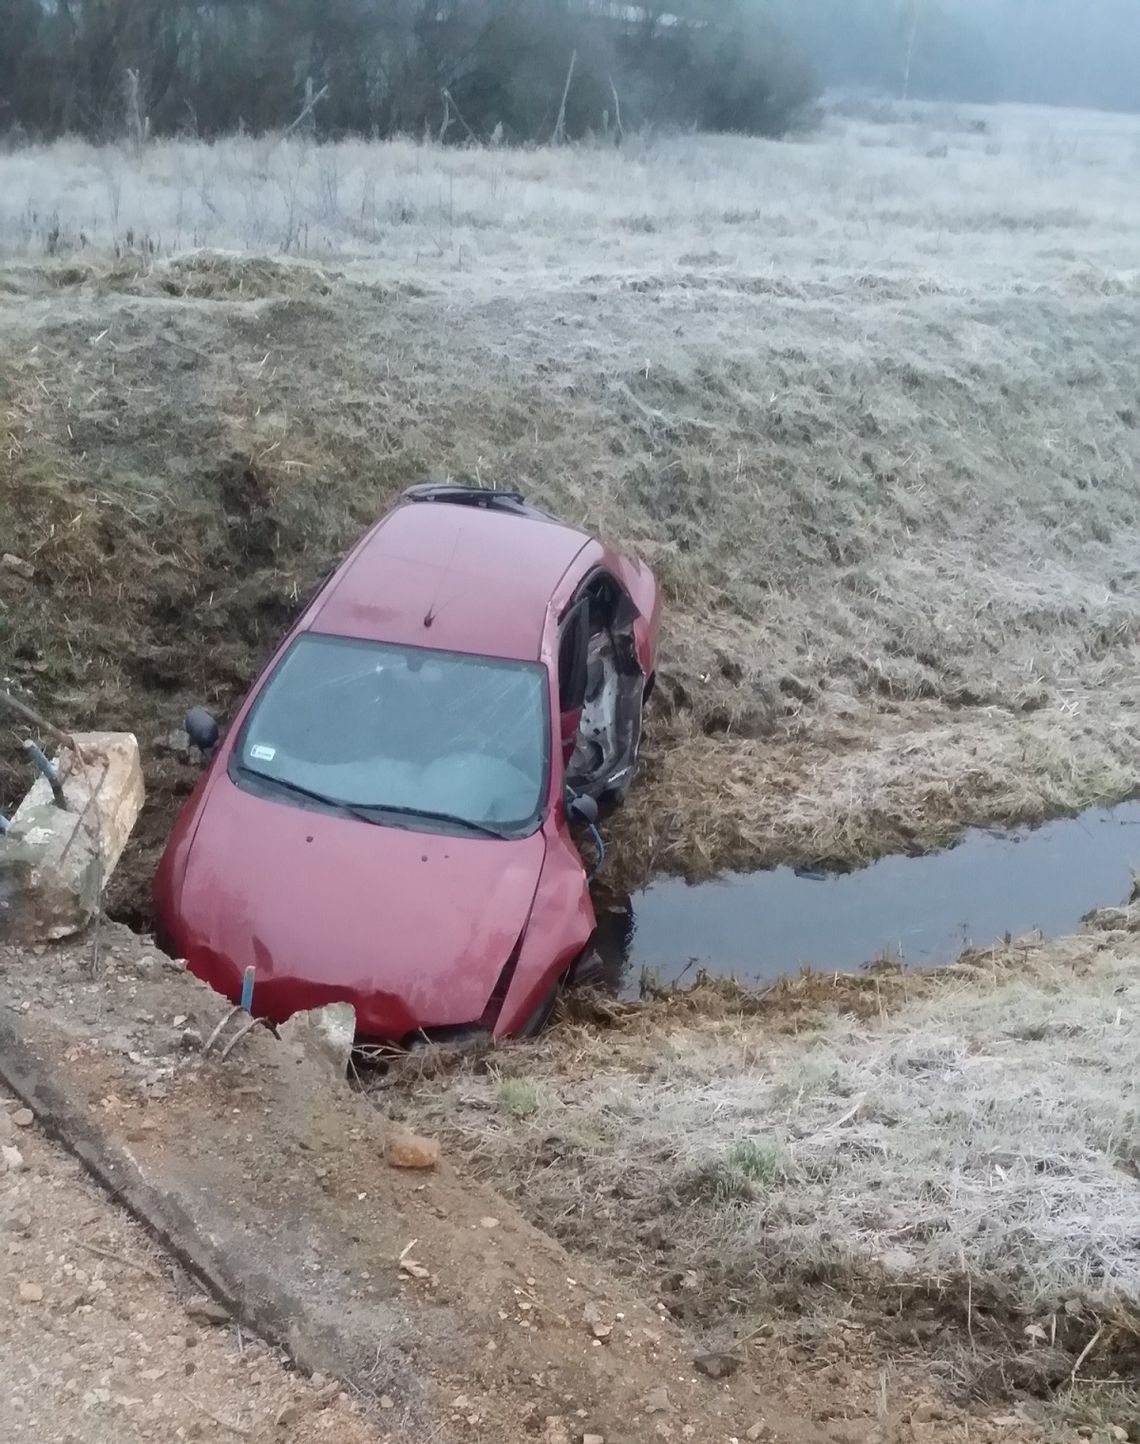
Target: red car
x=387, y=820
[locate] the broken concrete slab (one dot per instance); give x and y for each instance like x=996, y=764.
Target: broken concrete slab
x=55, y=863
x=324, y=1036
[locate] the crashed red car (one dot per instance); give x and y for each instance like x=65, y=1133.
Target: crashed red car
x=387, y=820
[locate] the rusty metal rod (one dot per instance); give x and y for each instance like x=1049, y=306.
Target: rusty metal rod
x=65, y=739
x=48, y=772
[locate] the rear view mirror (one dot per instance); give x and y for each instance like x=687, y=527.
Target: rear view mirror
x=202, y=729
x=583, y=808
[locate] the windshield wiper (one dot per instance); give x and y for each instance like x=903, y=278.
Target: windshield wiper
x=469, y=823
x=295, y=787
x=367, y=811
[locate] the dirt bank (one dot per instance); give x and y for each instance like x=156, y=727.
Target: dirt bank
x=892, y=504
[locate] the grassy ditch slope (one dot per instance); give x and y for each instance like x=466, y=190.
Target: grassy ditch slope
x=940, y=1172
x=868, y=401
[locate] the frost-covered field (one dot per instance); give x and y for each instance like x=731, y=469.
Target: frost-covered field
x=868, y=401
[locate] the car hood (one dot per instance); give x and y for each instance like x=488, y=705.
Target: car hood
x=413, y=928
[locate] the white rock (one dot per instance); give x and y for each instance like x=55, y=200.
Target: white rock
x=323, y=1035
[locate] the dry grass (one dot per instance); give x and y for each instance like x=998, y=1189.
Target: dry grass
x=867, y=401
x=966, y=1140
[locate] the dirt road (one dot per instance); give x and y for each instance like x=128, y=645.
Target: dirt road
x=105, y=1342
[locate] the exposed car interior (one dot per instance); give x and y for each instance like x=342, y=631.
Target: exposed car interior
x=599, y=629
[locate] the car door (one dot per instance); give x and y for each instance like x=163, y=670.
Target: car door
x=604, y=687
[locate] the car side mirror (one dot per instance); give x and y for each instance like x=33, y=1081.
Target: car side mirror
x=202, y=729
x=583, y=808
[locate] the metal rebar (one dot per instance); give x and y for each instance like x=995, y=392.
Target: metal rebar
x=47, y=771
x=29, y=714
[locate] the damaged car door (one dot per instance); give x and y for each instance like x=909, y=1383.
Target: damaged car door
x=603, y=689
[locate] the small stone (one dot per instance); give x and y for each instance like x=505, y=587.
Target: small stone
x=716, y=1366
x=173, y=744
x=555, y=1430
x=601, y=1331
x=1118, y=1431
x=593, y=1439
x=23, y=1118
x=657, y=1401
x=488, y=1222
x=206, y=1311
x=322, y=1037
x=409, y=1150
x=757, y=1431
x=11, y=1160
x=17, y=567
x=31, y=1293
x=387, y=1402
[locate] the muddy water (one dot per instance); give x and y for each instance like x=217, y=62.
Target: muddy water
x=921, y=910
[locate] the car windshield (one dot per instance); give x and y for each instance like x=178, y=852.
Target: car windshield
x=449, y=737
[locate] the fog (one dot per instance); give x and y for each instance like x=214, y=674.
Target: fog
x=1056, y=52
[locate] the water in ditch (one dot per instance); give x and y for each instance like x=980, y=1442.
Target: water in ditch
x=923, y=911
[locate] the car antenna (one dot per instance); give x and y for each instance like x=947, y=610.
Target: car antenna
x=429, y=615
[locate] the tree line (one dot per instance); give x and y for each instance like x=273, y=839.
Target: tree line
x=517, y=70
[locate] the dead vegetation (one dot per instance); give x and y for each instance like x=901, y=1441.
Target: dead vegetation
x=949, y=1160
x=872, y=416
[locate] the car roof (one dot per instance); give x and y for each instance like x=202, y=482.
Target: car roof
x=484, y=578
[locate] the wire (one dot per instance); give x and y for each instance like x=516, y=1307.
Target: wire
x=600, y=845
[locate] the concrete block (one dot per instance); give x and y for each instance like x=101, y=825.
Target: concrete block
x=322, y=1035
x=54, y=864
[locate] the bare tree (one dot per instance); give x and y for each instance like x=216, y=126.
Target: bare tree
x=916, y=17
